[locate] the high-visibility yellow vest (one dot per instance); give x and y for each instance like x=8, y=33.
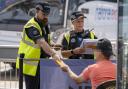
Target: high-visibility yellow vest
x=67, y=36
x=30, y=49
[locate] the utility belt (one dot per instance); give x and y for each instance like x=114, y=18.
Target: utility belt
x=82, y=56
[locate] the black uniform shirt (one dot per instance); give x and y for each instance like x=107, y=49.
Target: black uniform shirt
x=34, y=34
x=75, y=41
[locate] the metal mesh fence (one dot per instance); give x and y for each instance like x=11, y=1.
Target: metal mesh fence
x=8, y=74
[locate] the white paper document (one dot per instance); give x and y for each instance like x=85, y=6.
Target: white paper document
x=86, y=42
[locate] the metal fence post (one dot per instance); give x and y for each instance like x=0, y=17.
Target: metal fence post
x=21, y=71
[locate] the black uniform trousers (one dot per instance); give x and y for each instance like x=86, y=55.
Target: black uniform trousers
x=33, y=82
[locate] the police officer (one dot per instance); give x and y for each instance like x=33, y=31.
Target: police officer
x=35, y=45
x=72, y=40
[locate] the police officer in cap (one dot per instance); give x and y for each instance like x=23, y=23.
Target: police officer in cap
x=72, y=39
x=35, y=44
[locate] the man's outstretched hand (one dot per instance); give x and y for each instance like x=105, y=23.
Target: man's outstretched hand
x=64, y=67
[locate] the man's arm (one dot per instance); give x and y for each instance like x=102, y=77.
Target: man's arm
x=34, y=35
x=78, y=79
x=68, y=53
x=45, y=46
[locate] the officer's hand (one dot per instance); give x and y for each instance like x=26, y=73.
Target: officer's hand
x=58, y=60
x=56, y=57
x=78, y=50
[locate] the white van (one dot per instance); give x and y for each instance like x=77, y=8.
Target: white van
x=102, y=17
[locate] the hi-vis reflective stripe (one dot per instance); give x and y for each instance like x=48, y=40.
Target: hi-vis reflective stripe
x=32, y=24
x=29, y=59
x=92, y=35
x=67, y=36
x=33, y=63
x=30, y=44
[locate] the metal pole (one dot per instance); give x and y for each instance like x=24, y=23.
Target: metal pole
x=66, y=13
x=21, y=71
x=120, y=49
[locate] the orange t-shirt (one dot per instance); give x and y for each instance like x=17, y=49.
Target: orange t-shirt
x=99, y=72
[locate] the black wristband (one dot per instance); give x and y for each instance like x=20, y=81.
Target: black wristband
x=72, y=51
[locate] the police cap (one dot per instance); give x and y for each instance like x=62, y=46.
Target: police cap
x=43, y=6
x=76, y=15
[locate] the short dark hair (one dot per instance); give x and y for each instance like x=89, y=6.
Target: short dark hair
x=105, y=46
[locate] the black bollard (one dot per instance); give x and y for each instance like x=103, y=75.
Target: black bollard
x=21, y=71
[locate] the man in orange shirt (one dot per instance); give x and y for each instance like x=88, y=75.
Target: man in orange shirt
x=99, y=72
